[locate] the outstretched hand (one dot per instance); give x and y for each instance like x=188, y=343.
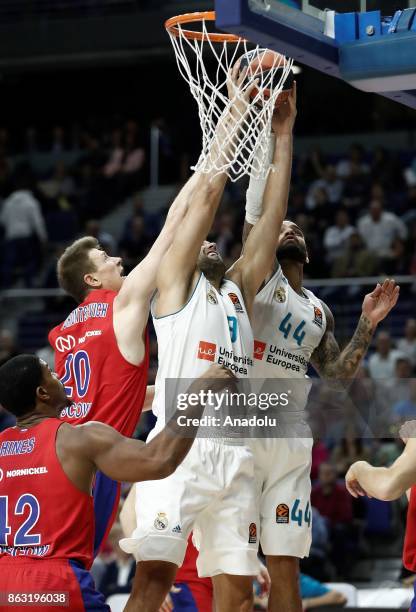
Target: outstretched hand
x=239, y=93
x=378, y=303
x=285, y=114
x=352, y=483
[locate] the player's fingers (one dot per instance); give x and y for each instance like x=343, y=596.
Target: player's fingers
x=376, y=292
x=350, y=489
x=254, y=85
x=395, y=296
x=242, y=75
x=293, y=94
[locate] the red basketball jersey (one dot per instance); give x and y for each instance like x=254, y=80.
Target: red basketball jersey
x=102, y=384
x=409, y=550
x=42, y=513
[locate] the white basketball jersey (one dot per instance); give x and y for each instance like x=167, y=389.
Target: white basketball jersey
x=212, y=327
x=287, y=329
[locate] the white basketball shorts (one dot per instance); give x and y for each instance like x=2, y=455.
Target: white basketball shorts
x=282, y=468
x=213, y=493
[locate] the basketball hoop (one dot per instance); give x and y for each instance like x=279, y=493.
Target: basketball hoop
x=204, y=60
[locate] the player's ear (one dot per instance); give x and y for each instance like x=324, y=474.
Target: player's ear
x=91, y=280
x=42, y=394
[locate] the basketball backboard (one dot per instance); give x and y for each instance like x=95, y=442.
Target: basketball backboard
x=367, y=43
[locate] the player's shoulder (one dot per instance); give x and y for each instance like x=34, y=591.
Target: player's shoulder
x=330, y=321
x=86, y=438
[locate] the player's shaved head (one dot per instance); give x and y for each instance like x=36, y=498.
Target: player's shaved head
x=74, y=264
x=19, y=379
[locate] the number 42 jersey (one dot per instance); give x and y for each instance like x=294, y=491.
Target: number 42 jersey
x=102, y=384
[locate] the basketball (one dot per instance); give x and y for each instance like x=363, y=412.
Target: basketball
x=268, y=67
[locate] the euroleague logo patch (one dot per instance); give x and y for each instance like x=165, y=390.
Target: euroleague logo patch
x=252, y=533
x=318, y=317
x=207, y=350
x=237, y=304
x=259, y=348
x=282, y=514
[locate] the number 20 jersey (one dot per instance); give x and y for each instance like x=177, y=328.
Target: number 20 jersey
x=102, y=384
x=287, y=329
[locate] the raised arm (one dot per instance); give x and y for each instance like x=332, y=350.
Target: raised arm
x=178, y=267
x=129, y=460
x=260, y=247
x=327, y=358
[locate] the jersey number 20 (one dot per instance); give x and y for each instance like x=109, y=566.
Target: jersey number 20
x=77, y=368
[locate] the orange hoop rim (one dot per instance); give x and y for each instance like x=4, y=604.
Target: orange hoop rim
x=172, y=24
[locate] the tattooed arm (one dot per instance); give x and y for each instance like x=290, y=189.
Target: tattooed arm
x=327, y=358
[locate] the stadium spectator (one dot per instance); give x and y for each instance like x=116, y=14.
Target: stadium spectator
x=336, y=236
x=317, y=564
x=382, y=363
x=405, y=409
x=58, y=145
x=379, y=228
x=119, y=572
x=396, y=261
x=354, y=164
x=330, y=497
x=407, y=345
x=316, y=595
x=330, y=183
x=59, y=184
x=136, y=244
x=320, y=454
x=356, y=261
x=5, y=186
x=8, y=348
x=346, y=452
x=106, y=240
x=24, y=229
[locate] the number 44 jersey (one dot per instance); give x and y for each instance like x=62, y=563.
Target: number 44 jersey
x=102, y=384
x=287, y=329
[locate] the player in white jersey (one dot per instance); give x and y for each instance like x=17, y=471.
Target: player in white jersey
x=293, y=328
x=202, y=313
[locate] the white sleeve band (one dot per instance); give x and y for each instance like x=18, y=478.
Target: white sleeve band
x=255, y=191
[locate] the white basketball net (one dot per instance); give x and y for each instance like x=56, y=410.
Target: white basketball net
x=247, y=141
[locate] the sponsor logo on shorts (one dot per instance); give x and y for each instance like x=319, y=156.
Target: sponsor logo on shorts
x=235, y=300
x=280, y=295
x=259, y=348
x=207, y=350
x=318, y=319
x=211, y=297
x=64, y=343
x=161, y=521
x=177, y=529
x=282, y=514
x=252, y=533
